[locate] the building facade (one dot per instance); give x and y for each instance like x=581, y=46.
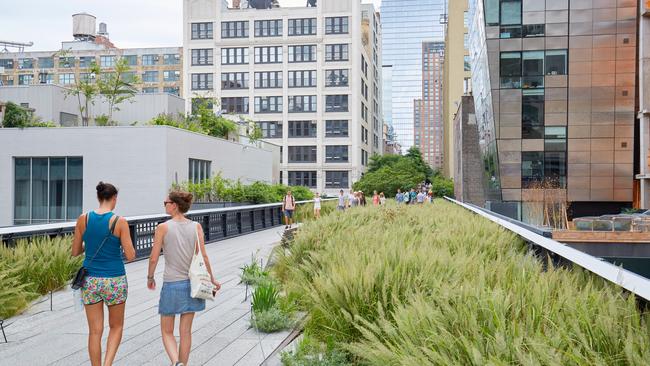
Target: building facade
x=159, y=69
x=554, y=91
x=468, y=174
x=643, y=174
x=48, y=182
x=428, y=127
x=310, y=77
x=406, y=24
x=457, y=75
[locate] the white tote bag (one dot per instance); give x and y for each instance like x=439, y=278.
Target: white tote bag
x=200, y=281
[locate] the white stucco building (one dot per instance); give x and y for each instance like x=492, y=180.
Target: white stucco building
x=50, y=174
x=309, y=76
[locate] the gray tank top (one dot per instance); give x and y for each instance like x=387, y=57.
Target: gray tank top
x=178, y=248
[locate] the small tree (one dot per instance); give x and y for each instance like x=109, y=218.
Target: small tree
x=212, y=124
x=85, y=90
x=15, y=116
x=116, y=88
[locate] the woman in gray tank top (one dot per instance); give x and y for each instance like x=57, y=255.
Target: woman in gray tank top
x=177, y=238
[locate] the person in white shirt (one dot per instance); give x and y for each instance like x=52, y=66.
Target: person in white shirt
x=317, y=206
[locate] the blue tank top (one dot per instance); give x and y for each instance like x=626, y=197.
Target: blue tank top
x=108, y=261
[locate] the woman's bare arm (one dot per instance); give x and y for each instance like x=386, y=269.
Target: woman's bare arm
x=77, y=241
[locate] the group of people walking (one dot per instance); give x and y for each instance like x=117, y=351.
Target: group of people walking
x=358, y=198
x=103, y=236
x=414, y=196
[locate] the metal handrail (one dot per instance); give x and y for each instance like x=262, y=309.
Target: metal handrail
x=632, y=282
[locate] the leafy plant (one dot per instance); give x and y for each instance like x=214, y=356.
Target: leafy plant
x=265, y=296
x=116, y=87
x=271, y=320
x=253, y=274
x=312, y=353
x=102, y=120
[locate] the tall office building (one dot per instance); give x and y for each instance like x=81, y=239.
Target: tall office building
x=457, y=76
x=643, y=198
x=554, y=90
x=406, y=24
x=159, y=69
x=428, y=122
x=310, y=77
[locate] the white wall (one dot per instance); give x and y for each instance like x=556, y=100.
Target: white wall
x=141, y=161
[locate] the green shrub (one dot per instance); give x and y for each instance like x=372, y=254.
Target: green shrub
x=437, y=285
x=253, y=274
x=271, y=320
x=33, y=268
x=313, y=353
x=265, y=296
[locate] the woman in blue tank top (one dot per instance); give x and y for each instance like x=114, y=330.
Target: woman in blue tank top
x=105, y=236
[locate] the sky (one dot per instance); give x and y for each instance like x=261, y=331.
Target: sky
x=131, y=23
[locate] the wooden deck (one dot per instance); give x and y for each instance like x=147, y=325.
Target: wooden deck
x=221, y=334
x=621, y=237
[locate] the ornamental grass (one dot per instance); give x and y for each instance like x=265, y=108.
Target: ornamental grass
x=437, y=285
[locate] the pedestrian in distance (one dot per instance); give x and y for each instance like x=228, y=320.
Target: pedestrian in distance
x=362, y=199
x=288, y=206
x=413, y=196
x=350, y=198
x=399, y=197
x=103, y=236
x=317, y=206
x=341, y=204
x=420, y=197
x=382, y=199
x=354, y=201
x=180, y=238
x=375, y=198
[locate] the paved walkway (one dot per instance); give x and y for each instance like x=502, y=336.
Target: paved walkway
x=221, y=334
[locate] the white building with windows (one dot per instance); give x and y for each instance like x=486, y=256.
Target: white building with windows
x=45, y=182
x=310, y=77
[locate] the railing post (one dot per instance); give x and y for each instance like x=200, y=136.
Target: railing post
x=134, y=238
x=206, y=228
x=239, y=225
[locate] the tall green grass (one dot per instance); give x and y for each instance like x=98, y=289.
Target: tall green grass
x=33, y=268
x=435, y=284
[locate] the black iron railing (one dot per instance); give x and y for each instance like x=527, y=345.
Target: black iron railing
x=218, y=224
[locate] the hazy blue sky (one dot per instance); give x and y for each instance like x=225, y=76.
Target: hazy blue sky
x=131, y=23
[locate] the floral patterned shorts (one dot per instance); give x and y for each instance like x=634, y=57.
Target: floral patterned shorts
x=110, y=290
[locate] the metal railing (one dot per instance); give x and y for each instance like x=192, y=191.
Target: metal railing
x=218, y=224
x=632, y=282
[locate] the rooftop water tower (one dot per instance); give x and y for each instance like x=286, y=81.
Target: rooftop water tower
x=83, y=27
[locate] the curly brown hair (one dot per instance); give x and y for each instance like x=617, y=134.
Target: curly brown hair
x=182, y=199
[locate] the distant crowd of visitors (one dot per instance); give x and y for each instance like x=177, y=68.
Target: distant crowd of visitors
x=422, y=194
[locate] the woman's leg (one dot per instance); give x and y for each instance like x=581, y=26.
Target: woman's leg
x=116, y=326
x=186, y=337
x=167, y=330
x=95, y=316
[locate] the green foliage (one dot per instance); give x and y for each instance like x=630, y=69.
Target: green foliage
x=178, y=121
x=212, y=124
x=85, y=90
x=442, y=186
x=265, y=296
x=305, y=212
x=219, y=188
x=437, y=285
x=253, y=274
x=33, y=268
x=15, y=116
x=271, y=320
x=313, y=353
x=115, y=87
x=102, y=120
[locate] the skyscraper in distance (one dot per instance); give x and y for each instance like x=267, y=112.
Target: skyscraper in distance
x=405, y=25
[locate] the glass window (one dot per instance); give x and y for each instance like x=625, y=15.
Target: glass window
x=268, y=79
x=555, y=168
x=532, y=119
x=556, y=62
x=171, y=75
x=302, y=154
x=128, y=76
x=302, y=79
x=302, y=103
x=336, y=103
x=106, y=61
x=22, y=195
x=149, y=60
x=491, y=12
x=66, y=79
x=202, y=81
x=232, y=56
x=336, y=154
x=173, y=90
x=45, y=78
x=7, y=63
x=171, y=59
x=302, y=53
x=532, y=168
x=149, y=90
x=336, y=179
x=268, y=104
x=237, y=29
x=268, y=28
x=338, y=77
x=268, y=55
x=533, y=30
x=533, y=63
x=45, y=62
x=199, y=170
x=302, y=27
x=302, y=178
x=270, y=129
x=555, y=138
x=234, y=104
x=57, y=189
x=510, y=70
x=510, y=12
x=202, y=57
x=68, y=62
x=336, y=25
x=131, y=60
x=84, y=61
x=25, y=79
x=74, y=194
x=234, y=80
x=207, y=102
x=202, y=31
x=302, y=128
x=25, y=63
x=336, y=128
x=337, y=52
x=510, y=32
x=150, y=76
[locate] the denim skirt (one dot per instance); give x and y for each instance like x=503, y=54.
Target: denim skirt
x=175, y=299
